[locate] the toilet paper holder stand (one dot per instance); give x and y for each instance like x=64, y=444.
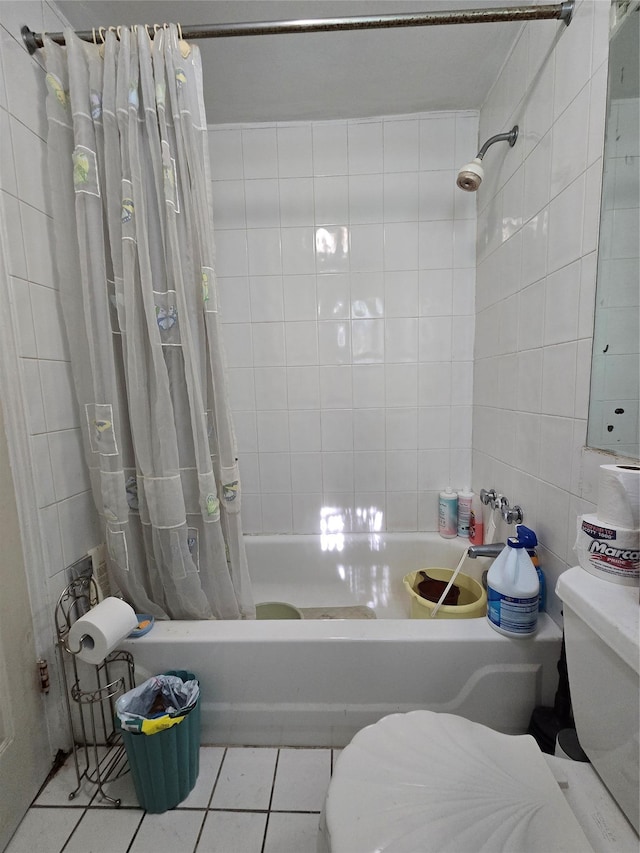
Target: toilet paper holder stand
x=93, y=690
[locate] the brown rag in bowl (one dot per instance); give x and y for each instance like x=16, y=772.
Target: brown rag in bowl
x=432, y=589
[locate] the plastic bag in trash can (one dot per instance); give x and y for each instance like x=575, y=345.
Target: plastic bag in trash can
x=159, y=703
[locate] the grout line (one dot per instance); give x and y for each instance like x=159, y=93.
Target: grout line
x=179, y=809
x=78, y=822
x=297, y=811
x=258, y=811
x=273, y=785
x=137, y=830
x=266, y=829
x=120, y=808
x=262, y=745
x=240, y=811
x=93, y=807
x=224, y=755
x=195, y=846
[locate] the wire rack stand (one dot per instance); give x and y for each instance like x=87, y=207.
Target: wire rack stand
x=98, y=753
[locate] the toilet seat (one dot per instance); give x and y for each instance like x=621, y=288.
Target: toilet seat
x=424, y=781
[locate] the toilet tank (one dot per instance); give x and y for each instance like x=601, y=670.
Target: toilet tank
x=603, y=659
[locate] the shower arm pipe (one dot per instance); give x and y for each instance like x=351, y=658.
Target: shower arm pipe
x=509, y=137
x=542, y=12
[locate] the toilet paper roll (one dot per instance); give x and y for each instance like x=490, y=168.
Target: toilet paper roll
x=619, y=495
x=611, y=553
x=98, y=632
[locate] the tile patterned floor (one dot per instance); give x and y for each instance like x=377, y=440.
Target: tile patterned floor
x=246, y=800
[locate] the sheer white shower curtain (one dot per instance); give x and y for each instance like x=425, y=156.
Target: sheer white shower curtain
x=129, y=173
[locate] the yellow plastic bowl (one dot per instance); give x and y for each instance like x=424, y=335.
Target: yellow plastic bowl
x=472, y=603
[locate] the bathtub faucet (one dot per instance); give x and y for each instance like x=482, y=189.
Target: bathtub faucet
x=485, y=550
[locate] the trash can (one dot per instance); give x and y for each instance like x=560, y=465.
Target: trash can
x=164, y=763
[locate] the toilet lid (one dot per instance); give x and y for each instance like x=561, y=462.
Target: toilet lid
x=423, y=781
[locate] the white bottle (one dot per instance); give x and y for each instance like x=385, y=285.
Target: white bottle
x=448, y=514
x=513, y=587
x=465, y=497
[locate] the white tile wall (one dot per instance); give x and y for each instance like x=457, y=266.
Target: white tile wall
x=535, y=278
x=347, y=280
x=61, y=499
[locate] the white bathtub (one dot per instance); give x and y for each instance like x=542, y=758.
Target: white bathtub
x=317, y=682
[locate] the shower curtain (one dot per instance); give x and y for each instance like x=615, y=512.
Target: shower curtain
x=131, y=193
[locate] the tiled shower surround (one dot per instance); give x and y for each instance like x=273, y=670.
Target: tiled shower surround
x=325, y=422
x=346, y=264
x=538, y=216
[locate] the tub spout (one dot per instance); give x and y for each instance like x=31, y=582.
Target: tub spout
x=485, y=550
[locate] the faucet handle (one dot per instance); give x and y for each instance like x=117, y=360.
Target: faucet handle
x=488, y=497
x=513, y=515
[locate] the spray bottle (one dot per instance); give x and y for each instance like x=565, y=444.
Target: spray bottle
x=513, y=587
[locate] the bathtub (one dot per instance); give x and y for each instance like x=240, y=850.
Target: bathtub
x=317, y=682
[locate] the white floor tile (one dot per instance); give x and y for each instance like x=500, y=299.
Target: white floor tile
x=64, y=782
x=302, y=780
x=232, y=832
x=292, y=833
x=121, y=789
x=210, y=759
x=245, y=780
x=44, y=830
x=171, y=831
x=104, y=831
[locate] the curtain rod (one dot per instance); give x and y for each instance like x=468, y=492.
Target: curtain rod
x=561, y=11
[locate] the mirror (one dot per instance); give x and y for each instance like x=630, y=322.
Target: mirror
x=615, y=371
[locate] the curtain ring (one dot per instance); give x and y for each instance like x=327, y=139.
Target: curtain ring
x=118, y=31
x=146, y=29
x=156, y=27
x=185, y=47
x=93, y=33
x=101, y=32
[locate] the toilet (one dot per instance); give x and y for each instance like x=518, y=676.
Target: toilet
x=425, y=781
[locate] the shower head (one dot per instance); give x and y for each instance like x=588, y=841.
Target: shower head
x=471, y=175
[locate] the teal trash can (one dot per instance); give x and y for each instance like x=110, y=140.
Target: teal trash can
x=165, y=765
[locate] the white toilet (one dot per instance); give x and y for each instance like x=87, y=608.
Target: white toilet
x=421, y=782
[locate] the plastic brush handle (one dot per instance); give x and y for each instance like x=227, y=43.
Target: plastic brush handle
x=448, y=586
